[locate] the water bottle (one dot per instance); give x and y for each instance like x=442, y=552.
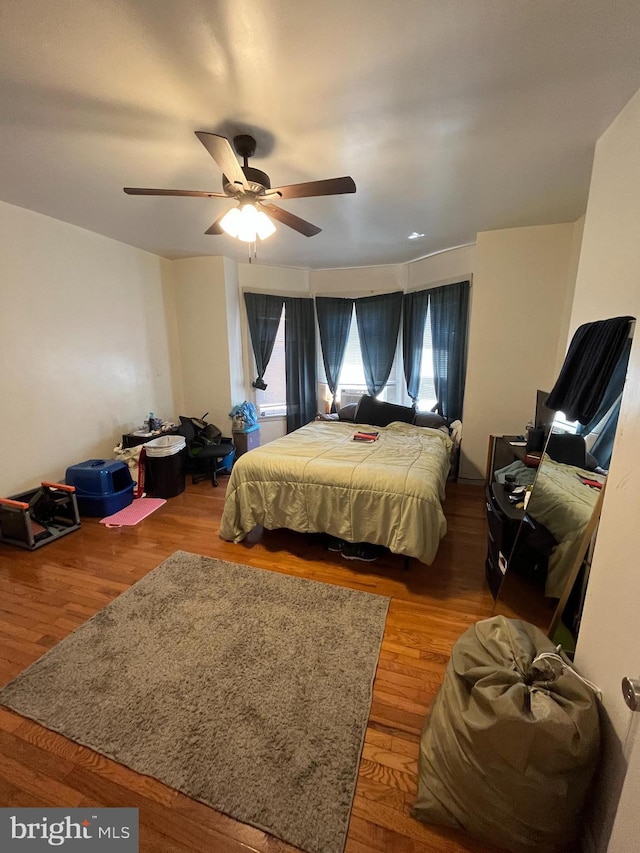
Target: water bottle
x=151, y=424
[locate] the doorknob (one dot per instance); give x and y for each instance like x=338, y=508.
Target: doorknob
x=631, y=693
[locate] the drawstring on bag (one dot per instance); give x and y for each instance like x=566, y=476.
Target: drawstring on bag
x=555, y=656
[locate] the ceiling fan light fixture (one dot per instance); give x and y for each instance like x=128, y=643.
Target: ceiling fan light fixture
x=247, y=223
x=230, y=222
x=264, y=226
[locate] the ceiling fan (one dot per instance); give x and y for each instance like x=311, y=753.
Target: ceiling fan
x=251, y=189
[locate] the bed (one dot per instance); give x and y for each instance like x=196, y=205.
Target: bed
x=319, y=480
x=564, y=505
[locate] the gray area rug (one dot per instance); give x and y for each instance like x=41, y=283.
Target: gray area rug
x=246, y=689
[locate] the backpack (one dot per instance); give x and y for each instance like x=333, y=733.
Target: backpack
x=209, y=435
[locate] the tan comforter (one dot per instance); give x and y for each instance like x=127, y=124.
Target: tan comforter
x=564, y=505
x=317, y=479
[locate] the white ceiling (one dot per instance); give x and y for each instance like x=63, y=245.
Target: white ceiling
x=452, y=117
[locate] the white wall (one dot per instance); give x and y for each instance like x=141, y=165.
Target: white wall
x=86, y=345
x=565, y=318
x=359, y=281
x=235, y=329
x=207, y=308
x=273, y=279
x=517, y=307
x=442, y=268
x=609, y=285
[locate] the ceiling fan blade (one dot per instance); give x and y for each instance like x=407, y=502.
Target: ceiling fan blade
x=300, y=225
x=222, y=153
x=195, y=193
x=216, y=228
x=332, y=186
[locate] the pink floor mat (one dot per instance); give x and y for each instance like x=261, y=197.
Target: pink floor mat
x=132, y=514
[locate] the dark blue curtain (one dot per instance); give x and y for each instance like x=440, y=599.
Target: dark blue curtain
x=334, y=320
x=300, y=362
x=449, y=309
x=414, y=318
x=378, y=320
x=591, y=359
x=263, y=315
x=603, y=445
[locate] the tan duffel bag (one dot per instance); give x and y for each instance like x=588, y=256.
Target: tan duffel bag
x=511, y=744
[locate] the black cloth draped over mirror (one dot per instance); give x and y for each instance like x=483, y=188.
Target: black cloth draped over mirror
x=591, y=359
x=610, y=409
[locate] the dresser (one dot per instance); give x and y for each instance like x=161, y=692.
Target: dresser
x=503, y=522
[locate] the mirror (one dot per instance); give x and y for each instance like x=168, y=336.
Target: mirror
x=552, y=540
x=546, y=573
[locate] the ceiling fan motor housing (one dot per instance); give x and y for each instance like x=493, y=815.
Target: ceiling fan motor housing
x=257, y=180
x=245, y=146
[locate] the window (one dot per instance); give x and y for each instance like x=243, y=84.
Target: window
x=273, y=401
x=427, y=390
x=352, y=383
x=562, y=424
x=352, y=372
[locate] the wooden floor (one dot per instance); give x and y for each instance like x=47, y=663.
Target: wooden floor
x=47, y=593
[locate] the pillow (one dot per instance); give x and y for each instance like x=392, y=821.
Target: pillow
x=378, y=413
x=568, y=449
x=429, y=419
x=347, y=413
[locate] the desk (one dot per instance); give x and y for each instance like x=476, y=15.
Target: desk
x=503, y=521
x=502, y=453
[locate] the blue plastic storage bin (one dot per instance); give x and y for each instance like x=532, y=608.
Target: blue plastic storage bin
x=103, y=486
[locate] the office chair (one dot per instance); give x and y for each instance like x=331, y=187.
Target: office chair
x=204, y=460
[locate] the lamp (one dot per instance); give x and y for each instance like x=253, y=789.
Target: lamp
x=246, y=223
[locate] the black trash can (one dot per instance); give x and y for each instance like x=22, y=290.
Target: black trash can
x=165, y=466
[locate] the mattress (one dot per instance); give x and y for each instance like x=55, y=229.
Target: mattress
x=318, y=479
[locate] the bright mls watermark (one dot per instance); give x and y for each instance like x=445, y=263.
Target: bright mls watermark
x=102, y=830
